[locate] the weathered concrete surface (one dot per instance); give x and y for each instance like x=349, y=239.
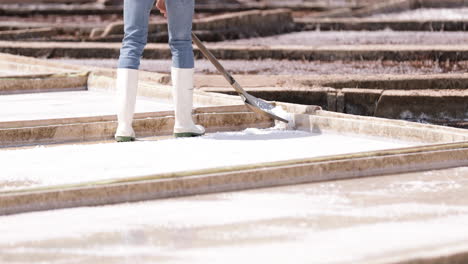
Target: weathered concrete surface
x=424, y=105
x=297, y=224
x=95, y=127
x=395, y=6
x=447, y=107
x=391, y=6
x=427, y=14
x=372, y=24
x=370, y=8
x=361, y=101
x=286, y=67
x=371, y=81
x=319, y=96
x=68, y=25
x=27, y=33
x=423, y=98
x=46, y=1
x=100, y=9
x=380, y=127
x=324, y=53
x=354, y=38
x=43, y=83
x=226, y=26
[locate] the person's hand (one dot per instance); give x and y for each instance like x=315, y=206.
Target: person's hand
x=161, y=5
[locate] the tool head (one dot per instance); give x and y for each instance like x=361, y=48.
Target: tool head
x=257, y=105
x=262, y=107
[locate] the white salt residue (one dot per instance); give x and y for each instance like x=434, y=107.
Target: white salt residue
x=253, y=131
x=235, y=228
x=327, y=38
x=396, y=210
x=422, y=184
x=428, y=14
x=279, y=111
x=84, y=163
x=357, y=244
x=331, y=203
x=136, y=253
x=287, y=67
x=228, y=210
x=69, y=104
x=223, y=210
x=5, y=72
x=426, y=186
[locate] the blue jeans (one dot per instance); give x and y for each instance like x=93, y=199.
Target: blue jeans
x=136, y=18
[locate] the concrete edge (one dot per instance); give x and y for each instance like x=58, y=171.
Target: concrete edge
x=392, y=131
x=104, y=118
x=371, y=24
x=350, y=81
x=38, y=83
x=401, y=123
x=144, y=127
x=234, y=178
x=323, y=53
x=215, y=22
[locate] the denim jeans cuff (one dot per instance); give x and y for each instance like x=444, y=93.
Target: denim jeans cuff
x=129, y=63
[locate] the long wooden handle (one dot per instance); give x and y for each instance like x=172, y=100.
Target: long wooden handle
x=216, y=63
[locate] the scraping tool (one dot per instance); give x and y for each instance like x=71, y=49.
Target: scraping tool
x=256, y=104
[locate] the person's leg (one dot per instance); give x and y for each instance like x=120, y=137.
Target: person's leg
x=180, y=15
x=136, y=18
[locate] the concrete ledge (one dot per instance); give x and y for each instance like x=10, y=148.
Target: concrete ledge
x=386, y=7
x=43, y=83
x=434, y=133
x=236, y=25
x=100, y=9
x=442, y=4
x=27, y=33
x=418, y=98
x=393, y=6
x=337, y=24
x=29, y=65
x=423, y=105
x=367, y=81
x=46, y=1
x=103, y=128
x=323, y=53
x=112, y=118
x=379, y=128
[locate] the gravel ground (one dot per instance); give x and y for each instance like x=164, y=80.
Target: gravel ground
x=296, y=67
x=358, y=38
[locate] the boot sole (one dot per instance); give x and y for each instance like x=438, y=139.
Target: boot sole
x=124, y=139
x=188, y=134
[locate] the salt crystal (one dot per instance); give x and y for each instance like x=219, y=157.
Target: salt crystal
x=279, y=111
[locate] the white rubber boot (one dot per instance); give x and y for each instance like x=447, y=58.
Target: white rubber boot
x=182, y=82
x=127, y=85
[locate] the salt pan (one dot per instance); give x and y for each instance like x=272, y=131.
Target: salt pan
x=93, y=162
